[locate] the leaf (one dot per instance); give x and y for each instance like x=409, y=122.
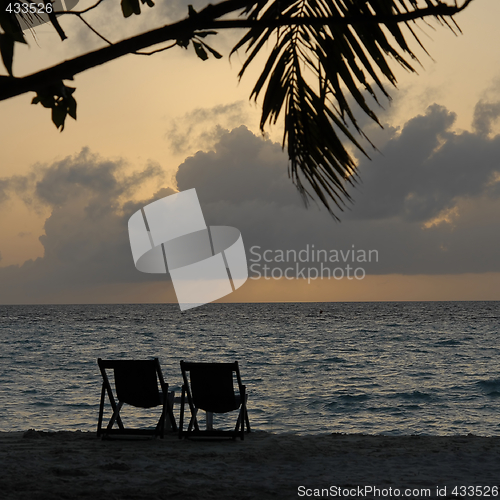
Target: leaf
x=135, y=6
x=59, y=115
x=212, y=51
x=48, y=101
x=315, y=74
x=7, y=50
x=126, y=8
x=71, y=103
x=130, y=7
x=58, y=97
x=203, y=34
x=57, y=26
x=11, y=26
x=200, y=51
x=183, y=42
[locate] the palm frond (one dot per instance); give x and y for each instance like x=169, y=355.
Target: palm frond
x=315, y=70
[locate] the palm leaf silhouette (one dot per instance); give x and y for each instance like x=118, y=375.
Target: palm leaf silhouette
x=315, y=69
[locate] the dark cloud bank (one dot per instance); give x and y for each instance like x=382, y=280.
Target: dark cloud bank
x=429, y=204
x=86, y=240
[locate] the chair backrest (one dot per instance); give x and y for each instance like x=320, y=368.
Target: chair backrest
x=211, y=385
x=136, y=381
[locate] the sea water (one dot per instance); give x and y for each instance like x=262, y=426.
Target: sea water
x=377, y=368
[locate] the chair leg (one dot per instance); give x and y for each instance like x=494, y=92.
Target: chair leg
x=242, y=423
x=193, y=422
x=116, y=415
x=247, y=421
x=101, y=411
x=181, y=417
x=160, y=426
x=210, y=420
x=170, y=410
x=244, y=413
x=237, y=427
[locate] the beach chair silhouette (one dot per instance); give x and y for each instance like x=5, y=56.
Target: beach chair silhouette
x=210, y=387
x=136, y=384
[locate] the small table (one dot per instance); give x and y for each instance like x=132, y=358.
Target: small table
x=209, y=415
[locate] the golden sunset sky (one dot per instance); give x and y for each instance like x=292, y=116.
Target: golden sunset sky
x=429, y=200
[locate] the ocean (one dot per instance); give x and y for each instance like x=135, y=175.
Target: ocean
x=393, y=368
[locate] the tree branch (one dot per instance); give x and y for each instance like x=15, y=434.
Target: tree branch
x=208, y=18
x=438, y=11
x=11, y=87
x=155, y=51
x=91, y=28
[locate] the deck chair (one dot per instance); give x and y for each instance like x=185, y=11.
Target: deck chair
x=210, y=387
x=136, y=384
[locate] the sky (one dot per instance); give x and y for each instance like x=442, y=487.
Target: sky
x=427, y=204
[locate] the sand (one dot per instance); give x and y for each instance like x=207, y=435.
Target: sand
x=76, y=465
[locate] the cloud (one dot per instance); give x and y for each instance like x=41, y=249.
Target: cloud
x=426, y=168
x=428, y=204
x=86, y=237
x=17, y=185
x=485, y=115
x=88, y=175
x=195, y=130
x=418, y=204
x=242, y=168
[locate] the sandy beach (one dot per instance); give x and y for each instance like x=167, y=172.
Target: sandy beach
x=76, y=465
